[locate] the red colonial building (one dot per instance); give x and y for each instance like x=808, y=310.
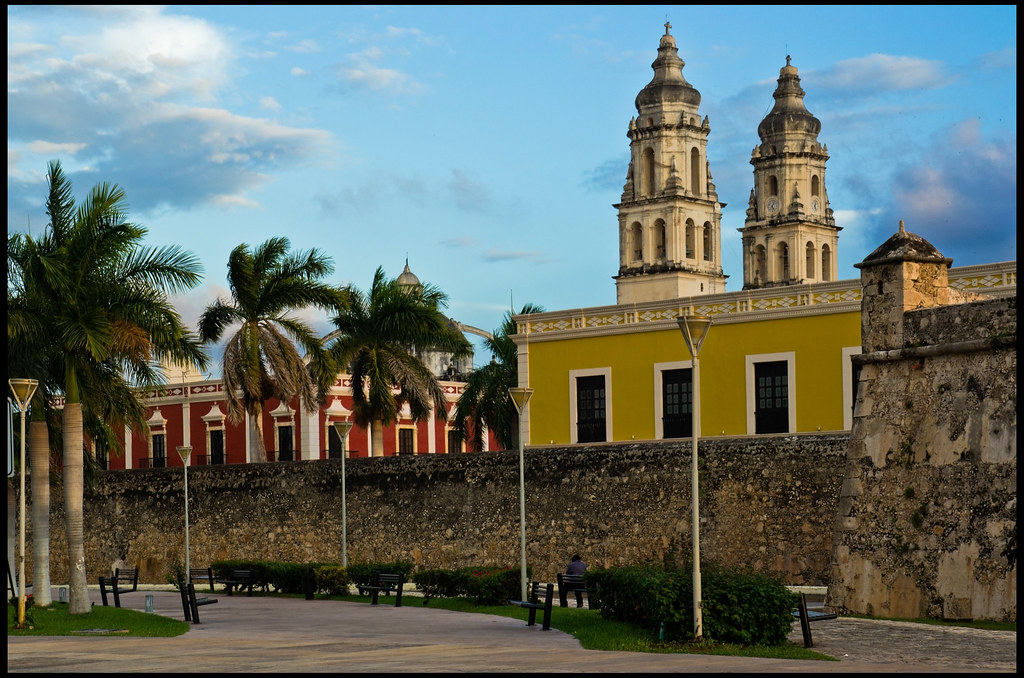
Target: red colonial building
x=194, y=413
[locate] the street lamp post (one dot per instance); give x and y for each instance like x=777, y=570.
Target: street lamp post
x=185, y=452
x=23, y=390
x=695, y=331
x=343, y=427
x=521, y=396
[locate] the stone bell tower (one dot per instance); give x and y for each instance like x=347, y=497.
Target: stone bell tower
x=790, y=235
x=669, y=217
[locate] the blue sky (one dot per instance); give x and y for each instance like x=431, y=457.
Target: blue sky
x=488, y=143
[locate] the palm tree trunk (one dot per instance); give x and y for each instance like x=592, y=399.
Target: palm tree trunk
x=39, y=455
x=74, y=490
x=259, y=452
x=377, y=431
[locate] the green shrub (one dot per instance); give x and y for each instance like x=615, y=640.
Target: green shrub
x=485, y=584
x=490, y=584
x=332, y=580
x=738, y=607
x=176, y=575
x=746, y=608
x=439, y=583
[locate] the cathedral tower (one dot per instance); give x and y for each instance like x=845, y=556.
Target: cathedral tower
x=669, y=217
x=789, y=235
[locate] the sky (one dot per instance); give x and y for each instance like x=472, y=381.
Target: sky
x=486, y=145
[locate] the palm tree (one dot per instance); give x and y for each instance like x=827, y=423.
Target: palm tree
x=376, y=338
x=485, y=402
x=90, y=313
x=260, y=361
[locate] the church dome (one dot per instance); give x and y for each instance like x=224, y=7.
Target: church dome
x=789, y=115
x=408, y=279
x=668, y=84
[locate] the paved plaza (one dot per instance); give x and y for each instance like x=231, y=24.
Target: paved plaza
x=269, y=634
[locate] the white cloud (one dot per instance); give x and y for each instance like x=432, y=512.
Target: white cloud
x=882, y=73
x=270, y=104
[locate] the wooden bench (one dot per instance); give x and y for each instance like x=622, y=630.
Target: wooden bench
x=567, y=583
x=242, y=579
x=807, y=615
x=123, y=581
x=190, y=603
x=203, y=575
x=534, y=603
x=386, y=583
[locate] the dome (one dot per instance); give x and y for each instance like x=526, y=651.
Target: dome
x=668, y=84
x=408, y=279
x=789, y=115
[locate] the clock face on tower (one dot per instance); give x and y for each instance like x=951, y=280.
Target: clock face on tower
x=814, y=205
x=773, y=205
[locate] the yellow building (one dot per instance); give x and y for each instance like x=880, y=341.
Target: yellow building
x=777, y=356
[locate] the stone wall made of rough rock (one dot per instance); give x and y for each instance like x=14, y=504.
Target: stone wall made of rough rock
x=927, y=522
x=768, y=503
x=977, y=320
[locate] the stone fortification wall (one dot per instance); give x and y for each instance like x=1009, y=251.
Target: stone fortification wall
x=927, y=522
x=766, y=502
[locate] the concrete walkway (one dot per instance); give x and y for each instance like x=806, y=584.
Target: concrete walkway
x=266, y=634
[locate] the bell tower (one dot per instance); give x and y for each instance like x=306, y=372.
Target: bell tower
x=790, y=235
x=669, y=217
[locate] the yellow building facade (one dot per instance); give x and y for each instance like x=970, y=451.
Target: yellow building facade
x=777, y=359
x=602, y=374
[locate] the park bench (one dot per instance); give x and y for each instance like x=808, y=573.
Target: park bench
x=123, y=581
x=807, y=615
x=573, y=583
x=190, y=603
x=242, y=579
x=385, y=583
x=534, y=603
x=202, y=575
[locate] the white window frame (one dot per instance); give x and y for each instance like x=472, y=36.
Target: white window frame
x=659, y=392
x=398, y=438
x=606, y=372
x=751, y=395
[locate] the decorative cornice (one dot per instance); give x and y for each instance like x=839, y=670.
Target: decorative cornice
x=772, y=303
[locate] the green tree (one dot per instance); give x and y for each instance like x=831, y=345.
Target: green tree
x=485, y=402
x=89, y=313
x=377, y=337
x=260, y=359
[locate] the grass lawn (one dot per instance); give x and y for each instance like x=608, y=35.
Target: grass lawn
x=101, y=621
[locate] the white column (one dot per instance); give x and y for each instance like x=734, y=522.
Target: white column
x=432, y=425
x=127, y=448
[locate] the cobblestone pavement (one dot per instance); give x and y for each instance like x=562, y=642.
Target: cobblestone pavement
x=901, y=644
x=268, y=635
